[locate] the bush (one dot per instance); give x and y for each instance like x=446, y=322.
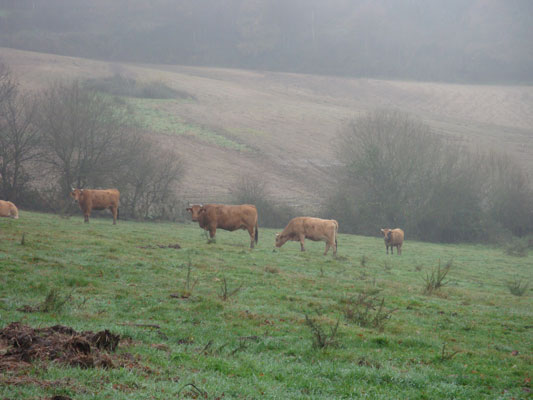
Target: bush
x=366, y=310
x=395, y=171
x=119, y=85
x=436, y=280
x=518, y=286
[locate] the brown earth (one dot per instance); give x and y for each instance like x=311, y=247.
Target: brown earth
x=22, y=345
x=289, y=121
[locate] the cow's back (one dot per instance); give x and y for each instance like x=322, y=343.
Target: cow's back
x=100, y=199
x=313, y=228
x=232, y=217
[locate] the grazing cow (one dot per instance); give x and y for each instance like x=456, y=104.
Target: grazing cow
x=8, y=209
x=301, y=228
x=393, y=237
x=93, y=199
x=230, y=218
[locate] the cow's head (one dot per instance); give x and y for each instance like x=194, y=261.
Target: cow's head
x=281, y=239
x=14, y=212
x=387, y=234
x=75, y=194
x=195, y=211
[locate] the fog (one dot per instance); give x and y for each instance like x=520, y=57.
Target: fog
x=485, y=41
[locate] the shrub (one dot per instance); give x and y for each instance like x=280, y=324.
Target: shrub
x=518, y=286
x=322, y=339
x=119, y=85
x=366, y=310
x=436, y=280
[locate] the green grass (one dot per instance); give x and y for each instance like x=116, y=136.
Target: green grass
x=257, y=344
x=155, y=116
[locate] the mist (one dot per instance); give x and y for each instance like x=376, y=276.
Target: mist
x=454, y=41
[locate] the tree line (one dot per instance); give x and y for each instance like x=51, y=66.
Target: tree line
x=454, y=40
x=394, y=170
x=69, y=135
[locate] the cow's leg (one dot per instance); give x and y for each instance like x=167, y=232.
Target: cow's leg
x=86, y=216
x=328, y=245
x=212, y=233
x=302, y=240
x=114, y=211
x=335, y=248
x=387, y=249
x=251, y=233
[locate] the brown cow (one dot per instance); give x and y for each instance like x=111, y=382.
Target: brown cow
x=301, y=228
x=94, y=199
x=8, y=209
x=393, y=237
x=230, y=218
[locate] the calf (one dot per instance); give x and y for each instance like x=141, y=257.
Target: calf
x=393, y=237
x=227, y=217
x=94, y=199
x=301, y=228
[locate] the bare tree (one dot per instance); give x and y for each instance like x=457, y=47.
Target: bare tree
x=19, y=144
x=397, y=172
x=148, y=179
x=18, y=136
x=84, y=135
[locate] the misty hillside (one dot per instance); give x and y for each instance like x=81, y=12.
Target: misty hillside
x=425, y=40
x=281, y=127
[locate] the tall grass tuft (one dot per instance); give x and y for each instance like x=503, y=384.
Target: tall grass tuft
x=435, y=280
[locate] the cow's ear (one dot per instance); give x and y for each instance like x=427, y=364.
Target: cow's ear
x=188, y=209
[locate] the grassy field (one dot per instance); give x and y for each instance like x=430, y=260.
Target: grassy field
x=256, y=343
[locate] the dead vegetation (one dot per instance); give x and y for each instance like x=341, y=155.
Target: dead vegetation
x=367, y=310
x=22, y=345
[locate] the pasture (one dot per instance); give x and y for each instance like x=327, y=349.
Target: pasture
x=187, y=337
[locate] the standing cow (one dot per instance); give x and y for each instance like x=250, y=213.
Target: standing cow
x=94, y=199
x=316, y=229
x=230, y=218
x=393, y=237
x=8, y=209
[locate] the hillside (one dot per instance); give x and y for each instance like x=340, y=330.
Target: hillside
x=280, y=127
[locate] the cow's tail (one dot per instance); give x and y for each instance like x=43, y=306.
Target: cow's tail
x=336, y=232
x=256, y=233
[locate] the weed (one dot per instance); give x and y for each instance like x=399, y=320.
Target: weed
x=272, y=270
x=518, y=286
x=54, y=302
x=436, y=280
x=188, y=286
x=225, y=294
x=364, y=260
x=321, y=339
x=367, y=310
x=387, y=265
x=444, y=355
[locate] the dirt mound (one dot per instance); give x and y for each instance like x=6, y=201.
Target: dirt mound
x=22, y=345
